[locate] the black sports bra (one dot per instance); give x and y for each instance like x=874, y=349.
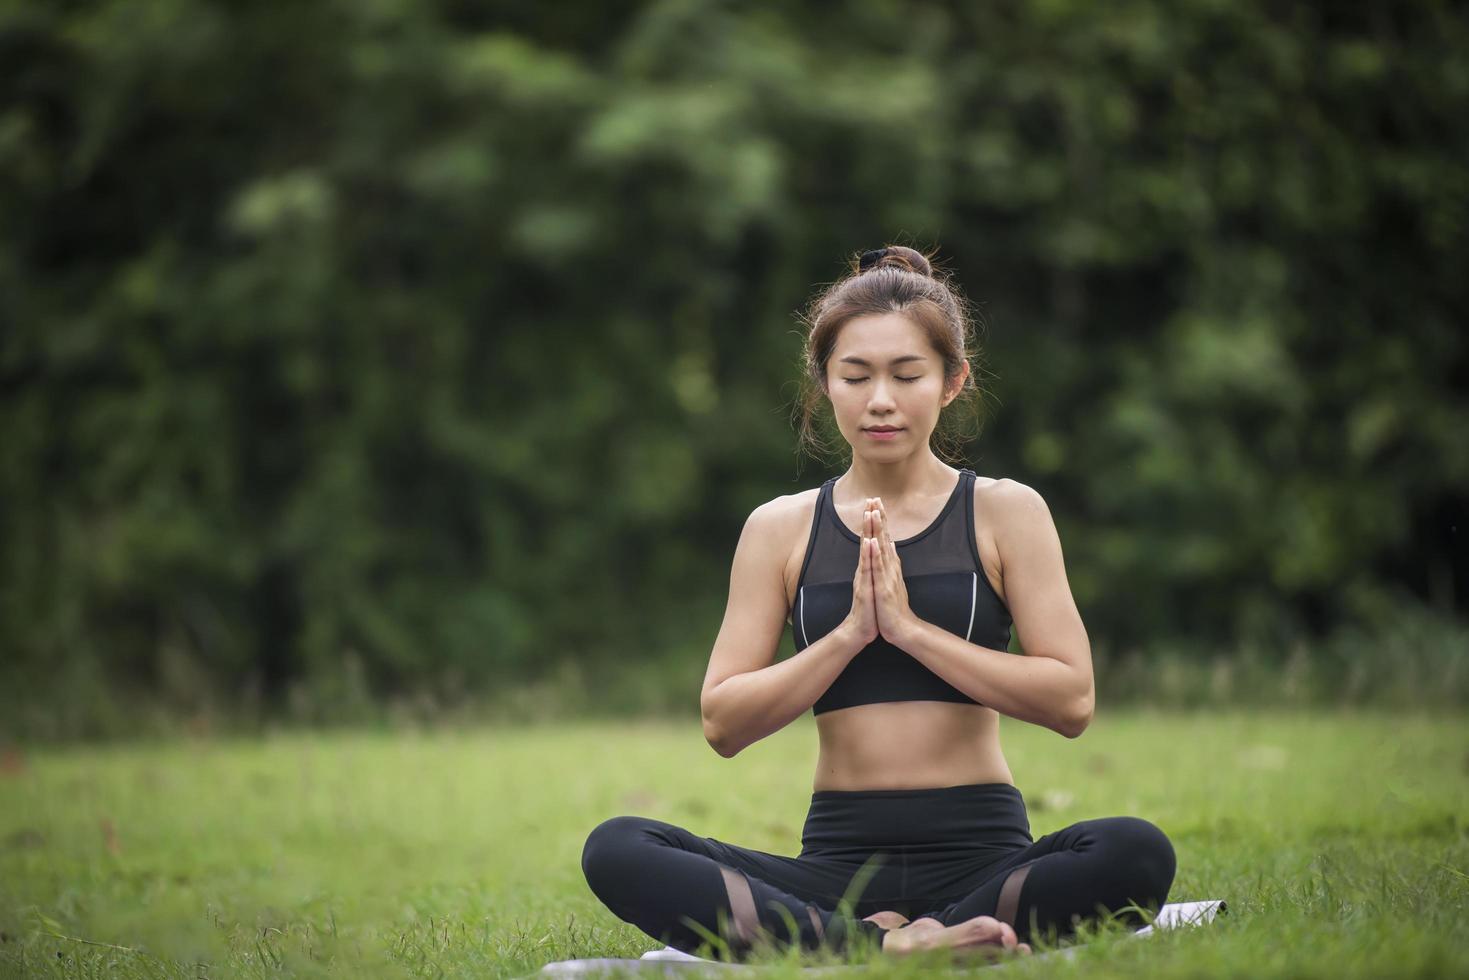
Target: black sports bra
x=946, y=586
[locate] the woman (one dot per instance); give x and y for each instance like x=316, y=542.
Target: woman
x=900, y=580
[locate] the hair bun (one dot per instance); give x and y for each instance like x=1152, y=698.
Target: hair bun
x=897, y=257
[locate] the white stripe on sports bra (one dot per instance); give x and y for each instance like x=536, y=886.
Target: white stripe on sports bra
x=973, y=603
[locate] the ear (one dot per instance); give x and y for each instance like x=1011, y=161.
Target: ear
x=952, y=389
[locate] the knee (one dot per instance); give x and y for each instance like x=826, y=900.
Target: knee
x=605, y=855
x=1148, y=855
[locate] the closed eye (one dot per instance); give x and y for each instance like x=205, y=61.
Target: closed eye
x=857, y=381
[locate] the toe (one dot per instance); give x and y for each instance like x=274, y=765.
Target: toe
x=985, y=929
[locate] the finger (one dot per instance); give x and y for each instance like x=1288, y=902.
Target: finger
x=882, y=520
x=1023, y=949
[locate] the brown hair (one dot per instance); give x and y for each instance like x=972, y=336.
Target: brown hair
x=895, y=279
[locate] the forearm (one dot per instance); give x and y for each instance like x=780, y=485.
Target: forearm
x=745, y=708
x=1038, y=689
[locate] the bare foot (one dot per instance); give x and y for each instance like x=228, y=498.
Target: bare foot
x=982, y=934
x=888, y=920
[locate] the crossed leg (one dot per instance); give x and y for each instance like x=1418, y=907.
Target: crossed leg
x=675, y=885
x=680, y=888
x=1091, y=868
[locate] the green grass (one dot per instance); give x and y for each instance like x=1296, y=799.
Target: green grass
x=1340, y=841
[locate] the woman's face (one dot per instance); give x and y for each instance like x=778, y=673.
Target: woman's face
x=886, y=385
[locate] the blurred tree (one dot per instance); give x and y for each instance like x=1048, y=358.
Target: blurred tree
x=454, y=341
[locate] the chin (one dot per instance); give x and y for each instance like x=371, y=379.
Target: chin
x=884, y=451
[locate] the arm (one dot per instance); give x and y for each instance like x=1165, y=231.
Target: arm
x=1052, y=684
x=746, y=696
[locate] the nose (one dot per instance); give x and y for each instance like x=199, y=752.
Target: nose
x=880, y=402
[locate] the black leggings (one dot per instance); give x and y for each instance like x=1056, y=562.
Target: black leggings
x=949, y=853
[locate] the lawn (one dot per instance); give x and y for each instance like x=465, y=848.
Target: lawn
x=1341, y=842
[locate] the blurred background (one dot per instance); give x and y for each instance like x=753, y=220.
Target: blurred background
x=371, y=362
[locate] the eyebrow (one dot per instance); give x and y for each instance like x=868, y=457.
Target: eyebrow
x=893, y=363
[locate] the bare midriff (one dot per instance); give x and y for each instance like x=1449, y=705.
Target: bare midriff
x=909, y=745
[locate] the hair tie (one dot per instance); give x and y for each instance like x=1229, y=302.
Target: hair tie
x=869, y=259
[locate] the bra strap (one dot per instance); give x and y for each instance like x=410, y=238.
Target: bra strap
x=968, y=478
x=817, y=515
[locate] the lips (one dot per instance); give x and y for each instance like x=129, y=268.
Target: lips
x=884, y=428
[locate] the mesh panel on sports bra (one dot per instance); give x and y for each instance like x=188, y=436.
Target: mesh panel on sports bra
x=946, y=586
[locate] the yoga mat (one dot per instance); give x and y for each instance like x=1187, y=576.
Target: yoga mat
x=670, y=962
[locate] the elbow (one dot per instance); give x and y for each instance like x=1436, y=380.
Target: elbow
x=1078, y=717
x=725, y=748
x=718, y=740
x=720, y=744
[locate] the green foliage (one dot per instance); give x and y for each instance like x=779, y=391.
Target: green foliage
x=1339, y=842
x=457, y=348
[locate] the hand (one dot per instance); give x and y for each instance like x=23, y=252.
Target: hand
x=890, y=592
x=862, y=620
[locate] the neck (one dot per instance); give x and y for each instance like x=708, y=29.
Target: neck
x=921, y=474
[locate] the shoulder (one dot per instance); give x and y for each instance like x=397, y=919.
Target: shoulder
x=1007, y=494
x=775, y=535
x=781, y=516
x=1006, y=504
